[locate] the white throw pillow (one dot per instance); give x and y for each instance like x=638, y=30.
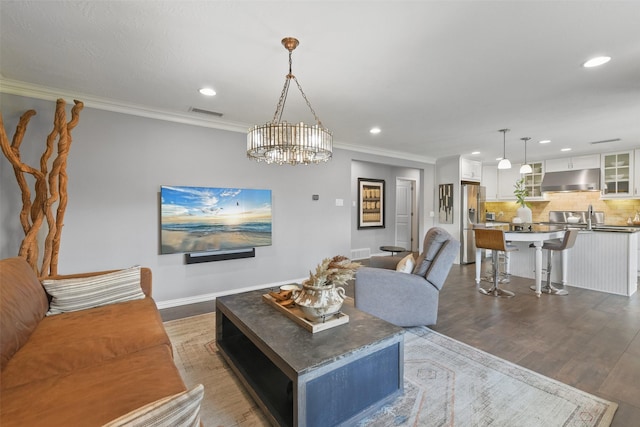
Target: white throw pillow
x=179, y=410
x=406, y=264
x=94, y=291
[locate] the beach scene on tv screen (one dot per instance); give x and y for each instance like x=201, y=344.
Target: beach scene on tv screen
x=203, y=219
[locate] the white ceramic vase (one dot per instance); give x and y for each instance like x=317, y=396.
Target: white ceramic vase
x=524, y=213
x=320, y=303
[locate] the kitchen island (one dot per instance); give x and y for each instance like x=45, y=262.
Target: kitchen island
x=535, y=235
x=604, y=260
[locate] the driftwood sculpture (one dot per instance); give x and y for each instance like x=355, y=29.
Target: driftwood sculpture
x=50, y=186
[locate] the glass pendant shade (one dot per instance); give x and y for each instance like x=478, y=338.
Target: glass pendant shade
x=504, y=164
x=526, y=168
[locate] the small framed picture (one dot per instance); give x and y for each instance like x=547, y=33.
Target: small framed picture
x=370, y=203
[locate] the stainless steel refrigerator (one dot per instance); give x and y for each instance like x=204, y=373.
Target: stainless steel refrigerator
x=472, y=212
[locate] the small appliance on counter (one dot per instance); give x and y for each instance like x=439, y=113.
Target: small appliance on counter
x=490, y=216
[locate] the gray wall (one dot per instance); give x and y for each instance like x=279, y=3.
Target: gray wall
x=116, y=166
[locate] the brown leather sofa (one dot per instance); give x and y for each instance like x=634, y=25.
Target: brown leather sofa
x=81, y=368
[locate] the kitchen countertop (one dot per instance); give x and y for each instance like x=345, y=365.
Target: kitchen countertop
x=537, y=226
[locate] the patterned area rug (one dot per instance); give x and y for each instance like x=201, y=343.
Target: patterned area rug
x=446, y=383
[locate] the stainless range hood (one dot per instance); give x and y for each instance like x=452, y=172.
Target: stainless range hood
x=572, y=180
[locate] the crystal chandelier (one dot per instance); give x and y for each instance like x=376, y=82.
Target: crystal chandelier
x=281, y=142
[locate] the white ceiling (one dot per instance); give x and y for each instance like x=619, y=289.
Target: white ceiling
x=439, y=78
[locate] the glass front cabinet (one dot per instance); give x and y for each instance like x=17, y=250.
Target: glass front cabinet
x=533, y=180
x=617, y=169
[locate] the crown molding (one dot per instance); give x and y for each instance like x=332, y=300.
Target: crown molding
x=29, y=90
x=385, y=153
x=15, y=87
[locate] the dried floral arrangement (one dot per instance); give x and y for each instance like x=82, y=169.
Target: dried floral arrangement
x=337, y=271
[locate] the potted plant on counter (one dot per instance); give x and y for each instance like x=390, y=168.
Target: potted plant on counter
x=524, y=211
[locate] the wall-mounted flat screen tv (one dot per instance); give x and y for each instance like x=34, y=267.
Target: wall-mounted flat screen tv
x=204, y=219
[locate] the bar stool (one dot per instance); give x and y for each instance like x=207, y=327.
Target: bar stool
x=492, y=238
x=552, y=246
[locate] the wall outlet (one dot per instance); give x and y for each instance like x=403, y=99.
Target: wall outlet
x=432, y=214
x=339, y=202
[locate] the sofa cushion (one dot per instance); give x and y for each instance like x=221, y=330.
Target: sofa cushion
x=80, y=339
x=433, y=241
x=179, y=410
x=95, y=395
x=406, y=264
x=23, y=304
x=95, y=291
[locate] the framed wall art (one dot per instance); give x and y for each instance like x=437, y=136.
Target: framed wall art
x=445, y=203
x=370, y=203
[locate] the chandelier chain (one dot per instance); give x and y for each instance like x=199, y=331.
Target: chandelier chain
x=277, y=117
x=283, y=99
x=307, y=101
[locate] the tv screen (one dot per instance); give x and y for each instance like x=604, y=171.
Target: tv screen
x=203, y=219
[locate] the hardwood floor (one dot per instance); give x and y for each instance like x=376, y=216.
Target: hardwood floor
x=587, y=339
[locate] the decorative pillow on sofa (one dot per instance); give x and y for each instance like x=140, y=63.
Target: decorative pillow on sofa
x=406, y=264
x=179, y=410
x=94, y=291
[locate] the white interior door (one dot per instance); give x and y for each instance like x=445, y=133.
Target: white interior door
x=404, y=213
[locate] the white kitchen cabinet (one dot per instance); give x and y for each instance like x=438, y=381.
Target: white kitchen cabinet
x=506, y=181
x=591, y=161
x=470, y=170
x=617, y=175
x=490, y=182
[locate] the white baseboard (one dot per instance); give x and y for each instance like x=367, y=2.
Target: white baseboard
x=212, y=296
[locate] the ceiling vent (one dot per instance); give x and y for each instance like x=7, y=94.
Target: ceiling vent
x=604, y=141
x=207, y=112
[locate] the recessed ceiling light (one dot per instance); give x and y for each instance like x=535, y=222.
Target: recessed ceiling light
x=475, y=152
x=375, y=131
x=598, y=60
x=207, y=91
x=565, y=149
x=545, y=141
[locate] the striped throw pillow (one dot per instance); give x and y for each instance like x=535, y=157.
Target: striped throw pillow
x=95, y=291
x=179, y=410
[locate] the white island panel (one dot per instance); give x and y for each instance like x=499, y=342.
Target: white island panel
x=600, y=261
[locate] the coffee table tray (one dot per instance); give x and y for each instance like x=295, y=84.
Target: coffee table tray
x=294, y=313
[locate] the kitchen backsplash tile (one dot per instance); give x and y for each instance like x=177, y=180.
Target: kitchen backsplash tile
x=616, y=212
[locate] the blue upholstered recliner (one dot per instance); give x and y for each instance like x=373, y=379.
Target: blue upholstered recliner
x=407, y=299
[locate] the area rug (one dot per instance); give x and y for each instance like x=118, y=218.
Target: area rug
x=447, y=383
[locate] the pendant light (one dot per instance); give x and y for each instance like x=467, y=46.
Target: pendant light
x=281, y=142
x=525, y=168
x=504, y=163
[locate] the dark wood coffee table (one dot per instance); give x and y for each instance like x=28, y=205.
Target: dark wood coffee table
x=299, y=378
